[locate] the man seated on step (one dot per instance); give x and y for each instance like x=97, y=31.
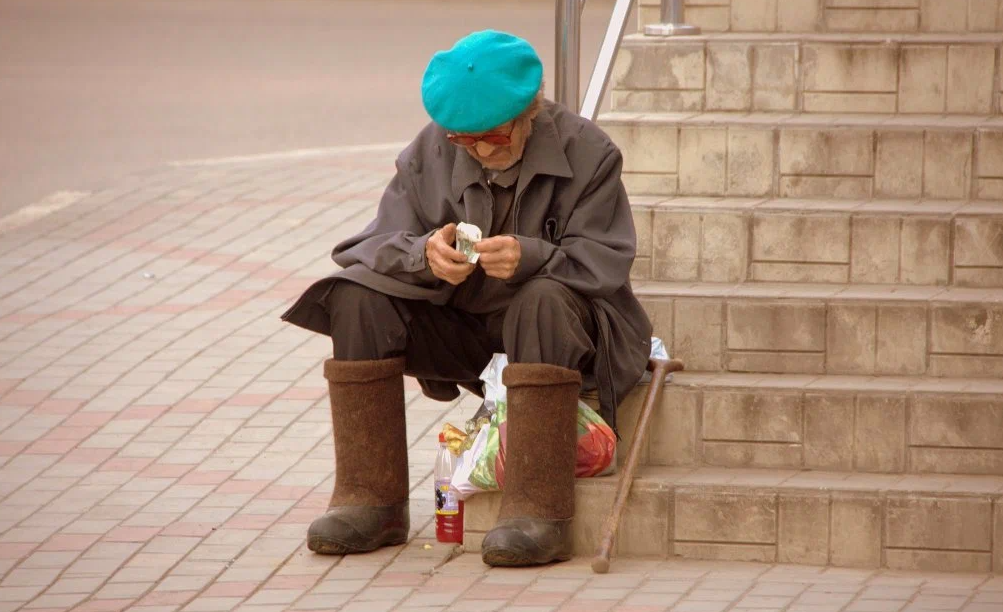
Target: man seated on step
x=549, y=288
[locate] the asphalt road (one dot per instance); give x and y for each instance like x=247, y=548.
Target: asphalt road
x=92, y=90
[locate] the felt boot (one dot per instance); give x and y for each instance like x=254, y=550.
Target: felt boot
x=369, y=506
x=538, y=497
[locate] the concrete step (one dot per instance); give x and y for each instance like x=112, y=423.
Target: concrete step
x=909, y=522
x=842, y=156
x=836, y=15
x=910, y=242
x=843, y=423
x=797, y=328
x=813, y=73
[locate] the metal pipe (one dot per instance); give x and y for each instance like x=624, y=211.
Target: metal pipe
x=569, y=49
x=672, y=21
x=604, y=63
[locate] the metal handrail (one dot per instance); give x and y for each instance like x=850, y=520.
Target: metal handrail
x=604, y=63
x=568, y=31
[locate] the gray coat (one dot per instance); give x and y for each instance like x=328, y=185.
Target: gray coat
x=572, y=220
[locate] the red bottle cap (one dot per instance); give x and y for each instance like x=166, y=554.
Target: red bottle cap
x=442, y=438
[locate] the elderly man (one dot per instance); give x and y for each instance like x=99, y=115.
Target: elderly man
x=550, y=289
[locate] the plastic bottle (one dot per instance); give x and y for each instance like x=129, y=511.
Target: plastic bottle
x=448, y=508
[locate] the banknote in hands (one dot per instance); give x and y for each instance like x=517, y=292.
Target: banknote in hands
x=467, y=235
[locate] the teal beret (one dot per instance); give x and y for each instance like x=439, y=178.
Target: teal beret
x=485, y=80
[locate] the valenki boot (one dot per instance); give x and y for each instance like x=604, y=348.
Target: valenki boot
x=538, y=499
x=369, y=506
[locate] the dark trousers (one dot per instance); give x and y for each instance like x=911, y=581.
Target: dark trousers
x=545, y=322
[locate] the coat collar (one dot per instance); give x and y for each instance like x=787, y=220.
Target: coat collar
x=543, y=155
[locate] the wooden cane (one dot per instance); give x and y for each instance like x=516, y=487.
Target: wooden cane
x=659, y=369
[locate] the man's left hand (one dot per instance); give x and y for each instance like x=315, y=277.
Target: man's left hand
x=500, y=256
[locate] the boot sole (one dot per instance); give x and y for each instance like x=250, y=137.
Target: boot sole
x=506, y=557
x=327, y=546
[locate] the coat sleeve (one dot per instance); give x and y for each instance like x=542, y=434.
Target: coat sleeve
x=393, y=244
x=597, y=247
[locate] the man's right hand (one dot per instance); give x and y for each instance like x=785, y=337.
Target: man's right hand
x=446, y=262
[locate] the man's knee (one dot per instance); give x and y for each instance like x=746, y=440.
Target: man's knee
x=544, y=292
x=352, y=297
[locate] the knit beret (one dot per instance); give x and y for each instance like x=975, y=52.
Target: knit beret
x=488, y=78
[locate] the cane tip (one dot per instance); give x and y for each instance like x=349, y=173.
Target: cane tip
x=600, y=565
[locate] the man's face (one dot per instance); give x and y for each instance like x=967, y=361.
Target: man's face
x=498, y=156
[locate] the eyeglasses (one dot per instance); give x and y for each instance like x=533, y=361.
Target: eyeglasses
x=492, y=138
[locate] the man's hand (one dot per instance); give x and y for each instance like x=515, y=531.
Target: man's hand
x=500, y=256
x=446, y=262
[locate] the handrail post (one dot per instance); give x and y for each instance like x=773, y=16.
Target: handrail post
x=569, y=48
x=672, y=21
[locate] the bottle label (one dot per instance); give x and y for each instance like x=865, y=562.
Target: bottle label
x=446, y=502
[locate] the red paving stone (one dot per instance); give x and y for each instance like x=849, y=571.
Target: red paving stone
x=291, y=582
x=125, y=464
x=304, y=393
x=6, y=384
x=82, y=419
x=70, y=433
x=166, y=470
x=51, y=447
x=170, y=309
x=242, y=486
x=23, y=398
x=216, y=260
x=16, y=550
x=22, y=318
x=201, y=478
x=142, y=412
x=9, y=449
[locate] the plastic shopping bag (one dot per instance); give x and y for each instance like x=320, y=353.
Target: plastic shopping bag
x=482, y=466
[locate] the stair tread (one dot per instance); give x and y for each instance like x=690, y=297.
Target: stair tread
x=758, y=478
x=907, y=207
x=802, y=382
x=771, y=290
x=808, y=120
x=822, y=37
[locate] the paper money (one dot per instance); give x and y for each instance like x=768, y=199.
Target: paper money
x=467, y=235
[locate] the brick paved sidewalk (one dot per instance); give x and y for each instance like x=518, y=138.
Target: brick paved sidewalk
x=165, y=440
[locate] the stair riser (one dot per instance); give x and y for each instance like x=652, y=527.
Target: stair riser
x=807, y=76
x=865, y=529
x=836, y=15
x=820, y=429
x=831, y=336
x=677, y=243
x=794, y=161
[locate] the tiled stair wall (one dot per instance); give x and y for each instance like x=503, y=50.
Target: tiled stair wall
x=836, y=15
x=820, y=238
